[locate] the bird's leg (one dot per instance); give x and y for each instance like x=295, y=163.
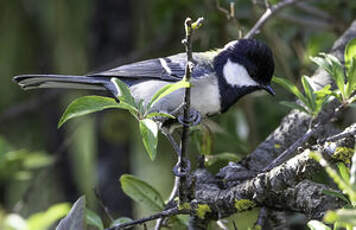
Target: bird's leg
x=180, y=171
x=177, y=149
x=171, y=140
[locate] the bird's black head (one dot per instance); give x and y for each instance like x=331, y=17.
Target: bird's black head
x=243, y=66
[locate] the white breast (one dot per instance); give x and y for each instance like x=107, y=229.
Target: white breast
x=237, y=75
x=205, y=96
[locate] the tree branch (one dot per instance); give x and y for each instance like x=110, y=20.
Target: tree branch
x=165, y=213
x=283, y=188
x=271, y=10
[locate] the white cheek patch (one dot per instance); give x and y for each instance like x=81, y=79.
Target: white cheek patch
x=237, y=75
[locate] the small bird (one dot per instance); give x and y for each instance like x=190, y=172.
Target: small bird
x=219, y=78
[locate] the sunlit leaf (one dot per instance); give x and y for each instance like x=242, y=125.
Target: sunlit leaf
x=124, y=93
x=294, y=105
x=166, y=90
x=344, y=171
x=309, y=92
x=157, y=114
x=341, y=215
x=141, y=192
x=37, y=160
x=88, y=104
x=120, y=220
x=350, y=52
x=149, y=133
x=317, y=225
x=43, y=220
x=336, y=194
x=212, y=159
x=323, y=96
x=340, y=182
x=93, y=219
x=334, y=67
x=291, y=88
x=13, y=222
x=75, y=220
x=351, y=78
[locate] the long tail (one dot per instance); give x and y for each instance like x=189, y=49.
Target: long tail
x=35, y=81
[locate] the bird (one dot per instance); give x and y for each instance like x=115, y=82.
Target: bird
x=219, y=77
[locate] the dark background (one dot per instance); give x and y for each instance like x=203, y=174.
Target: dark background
x=92, y=152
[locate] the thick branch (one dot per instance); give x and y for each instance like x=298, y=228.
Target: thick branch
x=282, y=188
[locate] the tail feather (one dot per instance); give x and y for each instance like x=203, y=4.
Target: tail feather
x=34, y=81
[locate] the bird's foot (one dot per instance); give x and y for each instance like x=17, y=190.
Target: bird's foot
x=182, y=168
x=194, y=118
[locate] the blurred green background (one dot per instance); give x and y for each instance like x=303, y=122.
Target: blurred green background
x=41, y=165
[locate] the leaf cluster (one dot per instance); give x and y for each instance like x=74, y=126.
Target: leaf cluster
x=346, y=182
x=312, y=101
x=143, y=112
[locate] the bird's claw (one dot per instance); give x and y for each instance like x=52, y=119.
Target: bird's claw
x=180, y=171
x=194, y=118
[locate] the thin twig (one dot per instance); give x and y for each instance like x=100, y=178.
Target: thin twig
x=310, y=132
x=171, y=198
x=346, y=133
x=182, y=188
x=315, y=11
x=223, y=10
x=165, y=213
x=181, y=164
x=267, y=14
x=262, y=217
x=101, y=202
x=28, y=106
x=230, y=15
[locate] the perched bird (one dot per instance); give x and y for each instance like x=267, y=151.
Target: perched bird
x=219, y=77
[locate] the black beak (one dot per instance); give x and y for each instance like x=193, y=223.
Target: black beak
x=269, y=89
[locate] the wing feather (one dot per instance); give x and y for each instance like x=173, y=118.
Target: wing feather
x=170, y=68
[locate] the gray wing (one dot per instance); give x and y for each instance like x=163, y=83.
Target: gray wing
x=170, y=68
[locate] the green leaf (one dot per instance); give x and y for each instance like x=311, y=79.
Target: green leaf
x=294, y=105
x=309, y=92
x=166, y=90
x=350, y=52
x=343, y=185
x=93, y=219
x=334, y=67
x=43, y=220
x=323, y=96
x=141, y=192
x=290, y=87
x=75, y=220
x=120, y=220
x=149, y=133
x=156, y=114
x=351, y=78
x=317, y=225
x=88, y=104
x=336, y=194
x=212, y=159
x=124, y=94
x=344, y=171
x=347, y=216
